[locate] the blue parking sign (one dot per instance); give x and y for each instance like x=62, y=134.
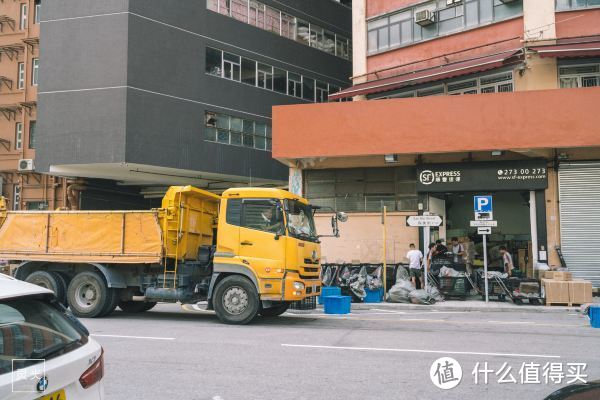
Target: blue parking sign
x=483, y=204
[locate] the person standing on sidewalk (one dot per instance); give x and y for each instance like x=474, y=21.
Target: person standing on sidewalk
x=507, y=260
x=458, y=251
x=415, y=260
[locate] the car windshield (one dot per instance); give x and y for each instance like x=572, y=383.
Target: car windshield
x=300, y=220
x=33, y=329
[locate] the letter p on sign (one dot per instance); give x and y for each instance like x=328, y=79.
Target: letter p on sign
x=483, y=204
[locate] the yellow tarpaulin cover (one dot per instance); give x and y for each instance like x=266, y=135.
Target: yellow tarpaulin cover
x=82, y=236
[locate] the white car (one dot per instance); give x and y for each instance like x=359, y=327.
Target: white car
x=45, y=352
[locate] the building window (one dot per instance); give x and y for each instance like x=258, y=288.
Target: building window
x=265, y=76
x=294, y=85
x=38, y=7
x=398, y=29
x=35, y=69
x=583, y=75
x=21, y=75
x=274, y=20
x=231, y=67
x=570, y=4
x=363, y=189
x=16, y=197
x=18, y=136
x=226, y=129
x=36, y=205
x=32, y=134
x=23, y=17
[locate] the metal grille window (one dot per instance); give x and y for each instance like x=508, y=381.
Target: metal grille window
x=400, y=29
x=571, y=4
x=493, y=83
x=227, y=129
x=584, y=75
x=245, y=70
x=363, y=189
x=273, y=20
x=18, y=135
x=21, y=75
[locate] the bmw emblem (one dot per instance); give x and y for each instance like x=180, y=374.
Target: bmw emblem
x=42, y=384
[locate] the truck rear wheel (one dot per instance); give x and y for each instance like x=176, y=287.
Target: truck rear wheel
x=274, y=311
x=236, y=300
x=50, y=280
x=89, y=295
x=136, y=306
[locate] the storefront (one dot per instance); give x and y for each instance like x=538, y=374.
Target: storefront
x=579, y=191
x=519, y=207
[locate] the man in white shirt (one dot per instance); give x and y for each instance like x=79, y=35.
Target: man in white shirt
x=415, y=259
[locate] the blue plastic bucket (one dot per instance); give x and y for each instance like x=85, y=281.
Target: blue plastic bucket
x=374, y=296
x=329, y=291
x=594, y=311
x=337, y=304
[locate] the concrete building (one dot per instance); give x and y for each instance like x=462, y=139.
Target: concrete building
x=473, y=97
x=19, y=77
x=136, y=95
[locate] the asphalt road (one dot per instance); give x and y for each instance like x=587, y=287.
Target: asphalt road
x=182, y=353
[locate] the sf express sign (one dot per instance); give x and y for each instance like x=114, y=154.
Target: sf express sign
x=508, y=175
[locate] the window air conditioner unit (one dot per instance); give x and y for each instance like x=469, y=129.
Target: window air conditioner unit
x=424, y=17
x=453, y=2
x=26, y=165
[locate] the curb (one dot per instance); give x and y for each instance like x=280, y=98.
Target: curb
x=463, y=308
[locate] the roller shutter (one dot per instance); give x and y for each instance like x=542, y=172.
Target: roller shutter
x=579, y=190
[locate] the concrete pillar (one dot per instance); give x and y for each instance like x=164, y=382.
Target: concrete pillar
x=539, y=20
x=295, y=181
x=359, y=39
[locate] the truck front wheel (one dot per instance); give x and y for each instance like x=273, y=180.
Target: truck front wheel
x=89, y=295
x=236, y=300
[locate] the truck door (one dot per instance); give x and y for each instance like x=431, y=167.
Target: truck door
x=262, y=236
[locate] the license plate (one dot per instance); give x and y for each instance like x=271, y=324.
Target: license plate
x=60, y=395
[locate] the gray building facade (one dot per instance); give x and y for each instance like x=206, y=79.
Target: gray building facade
x=160, y=92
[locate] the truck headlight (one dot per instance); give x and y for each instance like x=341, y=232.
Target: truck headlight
x=298, y=285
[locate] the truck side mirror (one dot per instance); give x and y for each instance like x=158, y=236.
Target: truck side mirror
x=342, y=216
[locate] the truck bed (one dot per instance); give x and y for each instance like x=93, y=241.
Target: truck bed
x=82, y=236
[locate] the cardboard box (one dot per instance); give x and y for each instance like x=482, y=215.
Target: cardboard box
x=562, y=276
x=521, y=256
x=580, y=291
x=548, y=274
x=556, y=291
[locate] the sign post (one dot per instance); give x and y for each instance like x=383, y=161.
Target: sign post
x=425, y=221
x=384, y=222
x=484, y=216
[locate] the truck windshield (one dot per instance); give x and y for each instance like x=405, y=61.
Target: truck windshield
x=300, y=220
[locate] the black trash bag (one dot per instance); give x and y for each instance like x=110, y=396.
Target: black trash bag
x=400, y=291
x=402, y=274
x=434, y=293
x=357, y=283
x=420, y=296
x=344, y=278
x=374, y=281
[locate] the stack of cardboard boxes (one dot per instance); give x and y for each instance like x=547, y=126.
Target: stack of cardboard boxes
x=560, y=288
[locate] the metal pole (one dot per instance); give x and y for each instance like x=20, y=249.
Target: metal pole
x=426, y=236
x=534, y=233
x=384, y=251
x=485, y=268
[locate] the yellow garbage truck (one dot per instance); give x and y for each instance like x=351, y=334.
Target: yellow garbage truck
x=249, y=251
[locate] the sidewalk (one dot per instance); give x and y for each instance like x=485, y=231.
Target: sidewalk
x=473, y=303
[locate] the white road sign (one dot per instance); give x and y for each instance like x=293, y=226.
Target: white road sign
x=487, y=230
x=424, y=220
x=477, y=224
